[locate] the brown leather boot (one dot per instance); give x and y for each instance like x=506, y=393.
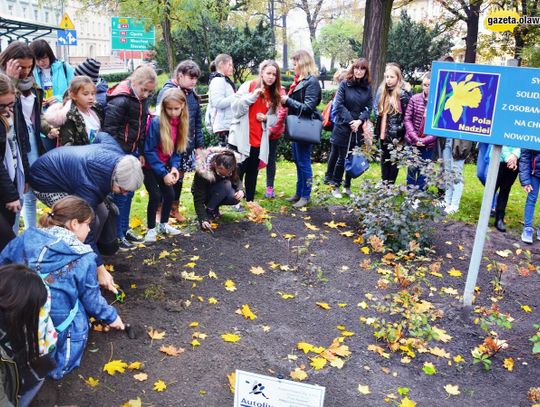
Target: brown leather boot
x=175, y=213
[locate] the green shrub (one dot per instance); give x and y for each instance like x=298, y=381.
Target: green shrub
x=327, y=95
x=115, y=77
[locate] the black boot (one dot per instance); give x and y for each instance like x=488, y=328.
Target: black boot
x=499, y=225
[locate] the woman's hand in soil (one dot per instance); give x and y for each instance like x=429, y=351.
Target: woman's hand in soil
x=206, y=226
x=528, y=188
x=14, y=206
x=118, y=324
x=169, y=179
x=239, y=195
x=105, y=279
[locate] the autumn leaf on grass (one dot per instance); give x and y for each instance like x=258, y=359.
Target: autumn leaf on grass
x=229, y=337
x=323, y=305
x=135, y=366
x=310, y=226
x=191, y=276
x=246, y=312
x=429, y=368
x=257, y=270
x=232, y=381
x=304, y=346
x=285, y=296
x=171, y=350
x=134, y=222
x=452, y=390
x=318, y=363
x=230, y=285
x=298, y=374
x=335, y=225
x=115, y=366
x=133, y=403
x=160, y=386
x=141, y=377
x=90, y=381
x=364, y=389
x=256, y=213
x=155, y=334
x=508, y=364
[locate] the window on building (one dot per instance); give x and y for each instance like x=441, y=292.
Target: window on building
x=10, y=9
x=35, y=15
x=46, y=16
x=24, y=12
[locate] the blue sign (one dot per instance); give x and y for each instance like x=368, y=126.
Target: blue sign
x=490, y=104
x=66, y=37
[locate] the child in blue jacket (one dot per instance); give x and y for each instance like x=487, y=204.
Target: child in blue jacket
x=167, y=138
x=529, y=177
x=68, y=266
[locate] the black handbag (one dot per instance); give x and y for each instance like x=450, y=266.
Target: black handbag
x=356, y=163
x=303, y=129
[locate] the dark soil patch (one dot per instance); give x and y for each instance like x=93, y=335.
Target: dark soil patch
x=324, y=268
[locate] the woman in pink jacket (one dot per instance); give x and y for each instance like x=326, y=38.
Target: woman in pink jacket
x=414, y=120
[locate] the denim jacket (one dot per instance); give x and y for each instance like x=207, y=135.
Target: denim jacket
x=68, y=267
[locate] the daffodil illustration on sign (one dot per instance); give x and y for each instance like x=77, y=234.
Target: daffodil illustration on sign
x=464, y=94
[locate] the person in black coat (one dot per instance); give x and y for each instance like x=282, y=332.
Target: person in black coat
x=303, y=98
x=352, y=107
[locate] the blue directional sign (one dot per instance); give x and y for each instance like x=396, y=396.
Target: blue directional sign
x=490, y=104
x=66, y=37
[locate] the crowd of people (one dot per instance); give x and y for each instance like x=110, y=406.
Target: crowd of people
x=83, y=149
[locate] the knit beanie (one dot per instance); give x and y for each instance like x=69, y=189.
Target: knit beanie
x=90, y=68
x=128, y=173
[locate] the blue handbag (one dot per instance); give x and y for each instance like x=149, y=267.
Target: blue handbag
x=356, y=163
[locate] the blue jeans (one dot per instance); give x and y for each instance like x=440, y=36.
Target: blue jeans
x=454, y=190
x=27, y=397
x=304, y=174
x=530, y=203
x=482, y=165
x=413, y=173
x=123, y=202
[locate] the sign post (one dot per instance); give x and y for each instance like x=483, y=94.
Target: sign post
x=489, y=104
x=67, y=37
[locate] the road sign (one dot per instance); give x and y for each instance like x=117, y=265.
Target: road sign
x=490, y=104
x=66, y=37
x=66, y=23
x=130, y=34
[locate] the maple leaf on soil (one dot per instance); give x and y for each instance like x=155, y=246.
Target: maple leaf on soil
x=171, y=350
x=115, y=366
x=160, y=386
x=257, y=270
x=256, y=213
x=90, y=381
x=508, y=364
x=364, y=389
x=247, y=313
x=155, y=334
x=452, y=390
x=298, y=374
x=323, y=305
x=318, y=363
x=304, y=346
x=135, y=366
x=232, y=381
x=230, y=285
x=141, y=377
x=229, y=337
x=133, y=403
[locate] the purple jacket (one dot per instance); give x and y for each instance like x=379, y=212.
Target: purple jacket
x=413, y=121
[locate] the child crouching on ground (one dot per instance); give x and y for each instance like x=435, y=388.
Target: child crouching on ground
x=216, y=183
x=167, y=138
x=68, y=266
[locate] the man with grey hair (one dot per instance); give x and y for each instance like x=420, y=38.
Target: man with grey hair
x=90, y=172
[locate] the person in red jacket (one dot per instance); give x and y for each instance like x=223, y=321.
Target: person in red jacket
x=414, y=121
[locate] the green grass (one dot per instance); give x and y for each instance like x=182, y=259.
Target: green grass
x=285, y=186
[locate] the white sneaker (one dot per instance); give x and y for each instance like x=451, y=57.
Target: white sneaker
x=347, y=191
x=336, y=193
x=167, y=229
x=151, y=236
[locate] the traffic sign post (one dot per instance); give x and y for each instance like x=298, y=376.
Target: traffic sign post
x=130, y=34
x=68, y=36
x=489, y=104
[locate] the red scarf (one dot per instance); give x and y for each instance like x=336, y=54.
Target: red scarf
x=294, y=84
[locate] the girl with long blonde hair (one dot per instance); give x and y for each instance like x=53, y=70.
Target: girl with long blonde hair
x=391, y=109
x=166, y=140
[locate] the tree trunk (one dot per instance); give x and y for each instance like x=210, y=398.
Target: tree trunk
x=285, y=45
x=271, y=15
x=375, y=38
x=519, y=37
x=471, y=40
x=167, y=36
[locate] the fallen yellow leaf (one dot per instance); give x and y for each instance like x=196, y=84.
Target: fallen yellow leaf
x=115, y=366
x=232, y=381
x=133, y=403
x=171, y=350
x=229, y=337
x=407, y=402
x=364, y=249
x=363, y=389
x=454, y=273
x=286, y=296
x=230, y=285
x=257, y=270
x=452, y=390
x=289, y=236
x=160, y=386
x=194, y=324
x=310, y=226
x=337, y=363
x=318, y=363
x=323, y=305
x=135, y=222
x=508, y=364
x=212, y=300
x=247, y=313
x=141, y=377
x=135, y=366
x=155, y=334
x=191, y=276
x=195, y=343
x=90, y=381
x=304, y=346
x=298, y=374
x=526, y=308
x=190, y=265
x=211, y=274
x=164, y=254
